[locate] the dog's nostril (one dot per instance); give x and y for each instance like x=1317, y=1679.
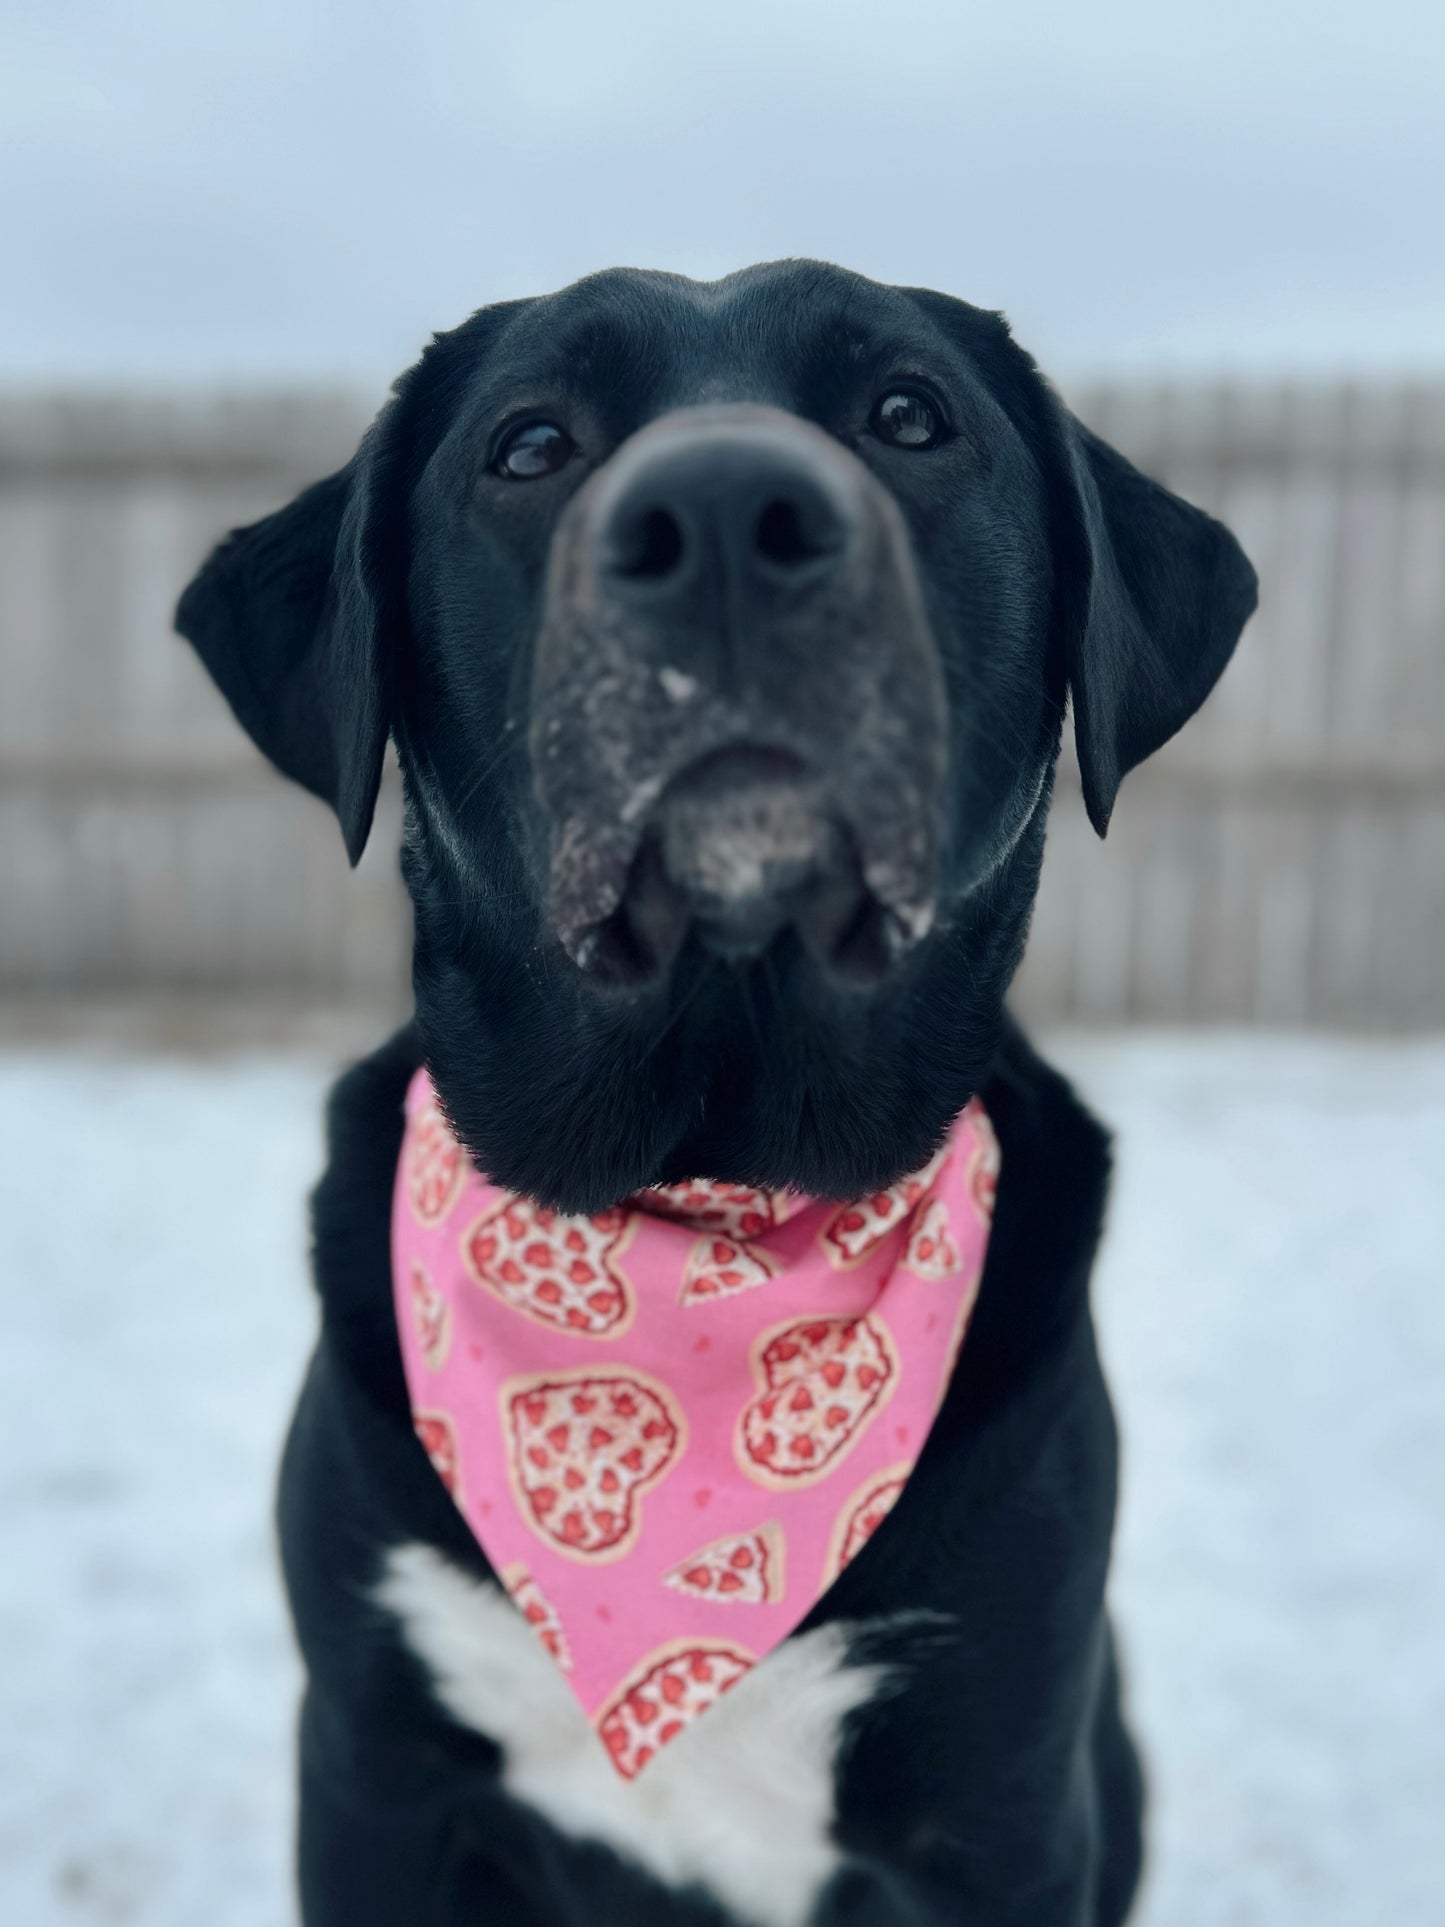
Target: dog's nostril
x=783, y=537
x=652, y=547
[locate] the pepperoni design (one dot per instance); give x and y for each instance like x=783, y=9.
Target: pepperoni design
x=668, y=1691
x=439, y=1439
x=434, y=1165
x=561, y=1271
x=730, y=1208
x=582, y=1450
x=858, y=1228
x=431, y=1317
x=861, y=1516
x=820, y=1382
x=719, y=1267
x=983, y=1164
x=744, y=1569
x=539, y=1612
x=932, y=1252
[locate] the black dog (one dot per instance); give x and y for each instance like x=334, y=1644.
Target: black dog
x=724, y=633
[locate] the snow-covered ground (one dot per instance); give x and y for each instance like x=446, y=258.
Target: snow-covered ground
x=1273, y=1314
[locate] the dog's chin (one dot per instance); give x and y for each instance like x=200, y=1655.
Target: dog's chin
x=743, y=850
x=774, y=1071
x=851, y=941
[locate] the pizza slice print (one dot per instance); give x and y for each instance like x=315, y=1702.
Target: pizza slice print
x=859, y=1228
x=821, y=1382
x=984, y=1161
x=561, y=1271
x=438, y=1436
x=670, y=1689
x=735, y=1209
x=932, y=1252
x=742, y=1569
x=431, y=1317
x=539, y=1612
x=720, y=1267
x=583, y=1448
x=434, y=1165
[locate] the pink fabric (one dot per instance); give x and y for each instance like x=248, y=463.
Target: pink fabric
x=671, y=1425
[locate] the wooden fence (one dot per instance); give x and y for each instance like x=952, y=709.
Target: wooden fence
x=1283, y=861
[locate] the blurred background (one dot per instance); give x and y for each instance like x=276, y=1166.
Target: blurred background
x=223, y=232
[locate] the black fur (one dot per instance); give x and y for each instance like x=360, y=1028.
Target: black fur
x=997, y=1788
x=408, y=595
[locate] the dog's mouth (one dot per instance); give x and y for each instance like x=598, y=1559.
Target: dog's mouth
x=742, y=849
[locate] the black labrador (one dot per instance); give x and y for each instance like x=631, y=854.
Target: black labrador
x=724, y=632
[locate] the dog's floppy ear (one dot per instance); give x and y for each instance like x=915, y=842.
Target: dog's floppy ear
x=289, y=616
x=1156, y=593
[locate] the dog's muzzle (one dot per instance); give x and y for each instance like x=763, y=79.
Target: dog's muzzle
x=738, y=711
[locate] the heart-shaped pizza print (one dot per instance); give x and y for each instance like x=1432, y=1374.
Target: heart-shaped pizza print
x=666, y=1693
x=720, y=1267
x=858, y=1228
x=731, y=1208
x=932, y=1252
x=434, y=1166
x=562, y=1271
x=431, y=1317
x=861, y=1515
x=439, y=1440
x=743, y=1569
x=821, y=1382
x=983, y=1164
x=582, y=1449
x=539, y=1612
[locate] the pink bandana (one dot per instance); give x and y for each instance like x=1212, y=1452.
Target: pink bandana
x=672, y=1424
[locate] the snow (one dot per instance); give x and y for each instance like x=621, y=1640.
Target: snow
x=1274, y=1328
x=1269, y=1299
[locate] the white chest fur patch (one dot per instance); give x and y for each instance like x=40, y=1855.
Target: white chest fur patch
x=741, y=1802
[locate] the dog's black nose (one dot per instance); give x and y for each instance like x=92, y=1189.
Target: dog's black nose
x=733, y=518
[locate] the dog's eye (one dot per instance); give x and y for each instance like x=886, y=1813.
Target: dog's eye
x=906, y=419
x=533, y=449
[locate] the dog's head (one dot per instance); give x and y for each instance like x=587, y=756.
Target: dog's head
x=724, y=633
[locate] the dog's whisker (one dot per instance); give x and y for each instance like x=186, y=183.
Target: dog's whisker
x=510, y=743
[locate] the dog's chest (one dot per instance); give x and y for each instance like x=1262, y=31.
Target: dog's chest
x=741, y=1803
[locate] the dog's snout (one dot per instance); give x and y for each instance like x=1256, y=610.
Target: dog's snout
x=734, y=514
x=738, y=731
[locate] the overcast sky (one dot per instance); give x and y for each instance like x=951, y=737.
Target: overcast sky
x=273, y=188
